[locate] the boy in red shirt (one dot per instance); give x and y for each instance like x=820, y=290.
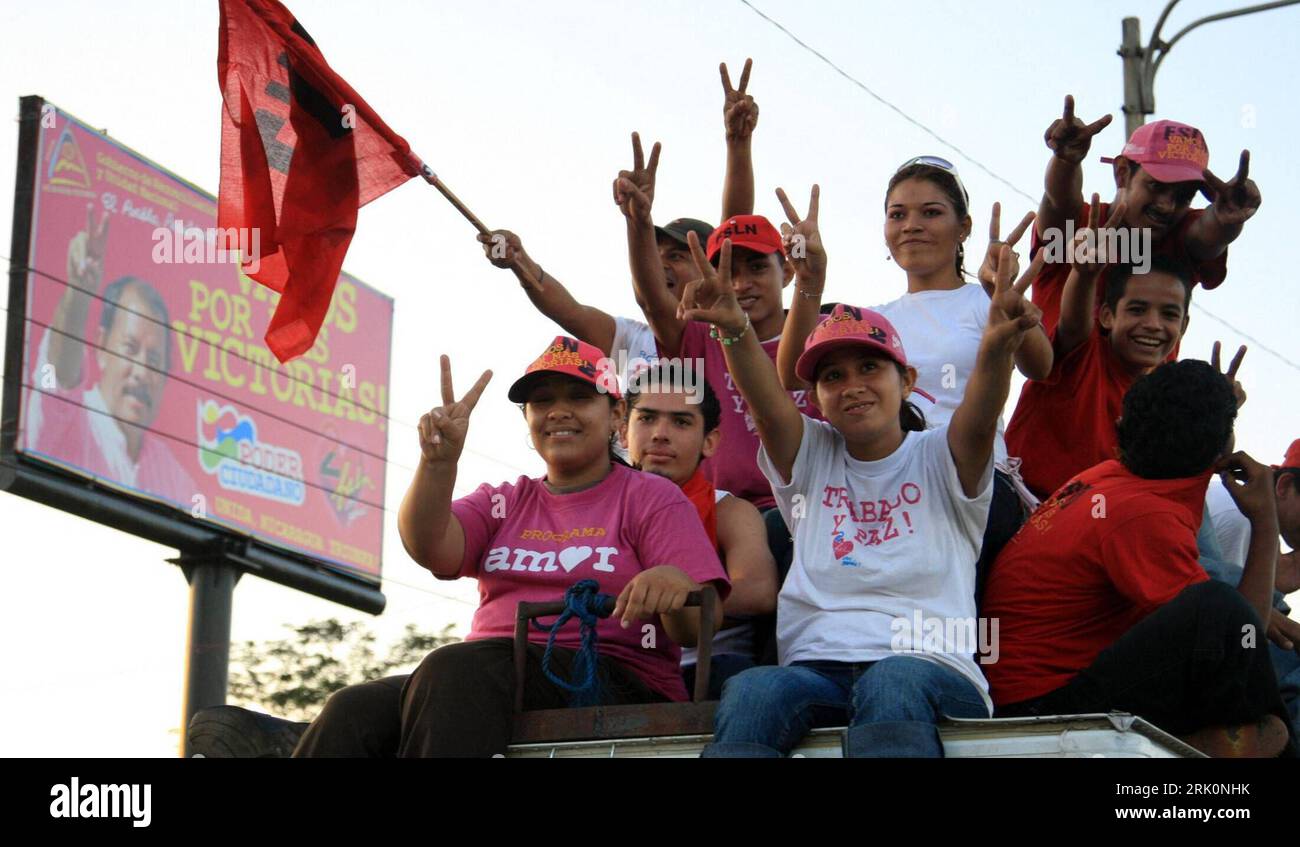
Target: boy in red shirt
x=1156, y=175
x=1066, y=422
x=1102, y=604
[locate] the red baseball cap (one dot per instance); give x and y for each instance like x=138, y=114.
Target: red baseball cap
x=1169, y=151
x=753, y=231
x=570, y=357
x=1292, y=457
x=849, y=326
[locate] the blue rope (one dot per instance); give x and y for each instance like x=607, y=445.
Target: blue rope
x=582, y=601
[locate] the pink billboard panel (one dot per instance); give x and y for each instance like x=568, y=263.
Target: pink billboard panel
x=145, y=367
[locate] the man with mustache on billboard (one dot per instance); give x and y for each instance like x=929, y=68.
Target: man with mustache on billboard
x=105, y=429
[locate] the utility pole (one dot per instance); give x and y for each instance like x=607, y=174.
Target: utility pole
x=1141, y=63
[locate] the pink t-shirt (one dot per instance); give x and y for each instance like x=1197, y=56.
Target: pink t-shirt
x=524, y=543
x=734, y=467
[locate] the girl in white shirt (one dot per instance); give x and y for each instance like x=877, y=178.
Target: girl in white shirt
x=876, y=620
x=942, y=316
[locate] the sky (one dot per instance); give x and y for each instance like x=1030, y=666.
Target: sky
x=525, y=110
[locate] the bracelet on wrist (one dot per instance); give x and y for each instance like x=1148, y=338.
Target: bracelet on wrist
x=809, y=295
x=716, y=333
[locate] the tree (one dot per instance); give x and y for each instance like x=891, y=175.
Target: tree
x=292, y=677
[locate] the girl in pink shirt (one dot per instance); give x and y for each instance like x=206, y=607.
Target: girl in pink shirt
x=589, y=517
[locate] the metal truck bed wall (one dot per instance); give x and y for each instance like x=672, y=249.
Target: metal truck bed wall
x=1052, y=737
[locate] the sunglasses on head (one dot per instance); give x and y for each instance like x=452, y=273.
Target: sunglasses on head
x=941, y=164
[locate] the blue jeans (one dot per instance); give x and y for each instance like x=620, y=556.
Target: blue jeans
x=891, y=707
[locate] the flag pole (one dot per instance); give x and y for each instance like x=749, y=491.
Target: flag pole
x=432, y=178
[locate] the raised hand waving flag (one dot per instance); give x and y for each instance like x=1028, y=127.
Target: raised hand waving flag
x=301, y=152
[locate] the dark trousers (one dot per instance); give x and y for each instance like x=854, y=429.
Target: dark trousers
x=362, y=721
x=781, y=543
x=458, y=703
x=1006, y=516
x=1200, y=660
x=723, y=668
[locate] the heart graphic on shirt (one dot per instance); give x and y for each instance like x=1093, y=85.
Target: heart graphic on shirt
x=843, y=548
x=571, y=557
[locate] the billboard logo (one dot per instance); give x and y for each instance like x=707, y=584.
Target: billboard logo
x=344, y=479
x=230, y=450
x=67, y=166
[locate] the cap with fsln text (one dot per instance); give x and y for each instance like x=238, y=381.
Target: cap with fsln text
x=754, y=232
x=1168, y=150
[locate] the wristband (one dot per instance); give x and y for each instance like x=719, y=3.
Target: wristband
x=716, y=333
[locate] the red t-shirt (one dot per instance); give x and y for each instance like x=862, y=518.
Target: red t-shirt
x=1066, y=422
x=1047, y=287
x=1100, y=555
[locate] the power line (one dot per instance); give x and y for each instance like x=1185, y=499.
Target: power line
x=428, y=591
x=183, y=441
x=904, y=115
x=288, y=374
x=1255, y=342
x=208, y=390
x=155, y=320
x=951, y=146
x=179, y=439
x=193, y=444
x=385, y=580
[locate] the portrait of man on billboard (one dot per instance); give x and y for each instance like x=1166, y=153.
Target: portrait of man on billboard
x=106, y=428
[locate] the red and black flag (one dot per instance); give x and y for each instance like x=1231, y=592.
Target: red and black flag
x=300, y=154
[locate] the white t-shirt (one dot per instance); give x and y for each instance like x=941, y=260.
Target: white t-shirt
x=1231, y=527
x=634, y=347
x=941, y=333
x=883, y=551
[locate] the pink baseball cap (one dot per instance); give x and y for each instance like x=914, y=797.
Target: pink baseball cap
x=1292, y=457
x=849, y=326
x=570, y=357
x=1169, y=151
x=753, y=231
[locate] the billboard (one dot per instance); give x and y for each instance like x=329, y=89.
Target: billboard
x=143, y=366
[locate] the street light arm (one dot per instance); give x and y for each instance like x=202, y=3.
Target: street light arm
x=1147, y=60
x=1160, y=24
x=1165, y=48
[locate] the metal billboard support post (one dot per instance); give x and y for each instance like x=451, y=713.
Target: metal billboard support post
x=212, y=579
